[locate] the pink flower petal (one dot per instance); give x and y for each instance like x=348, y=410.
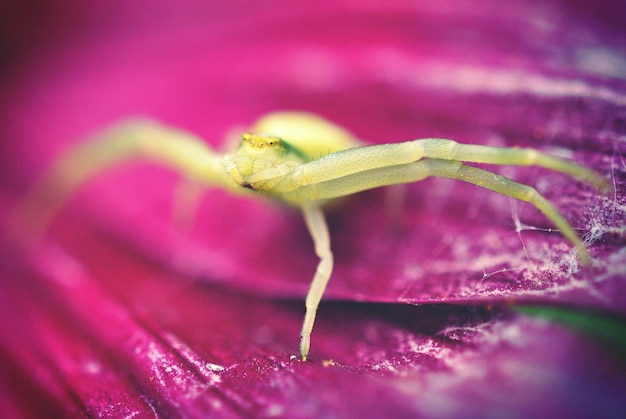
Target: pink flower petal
x=119, y=313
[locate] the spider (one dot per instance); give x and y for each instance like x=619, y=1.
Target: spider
x=303, y=160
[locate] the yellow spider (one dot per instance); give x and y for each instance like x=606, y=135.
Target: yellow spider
x=303, y=160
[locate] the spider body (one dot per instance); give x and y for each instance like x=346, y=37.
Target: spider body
x=261, y=162
x=303, y=160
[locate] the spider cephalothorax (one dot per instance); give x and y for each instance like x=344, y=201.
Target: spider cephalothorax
x=261, y=161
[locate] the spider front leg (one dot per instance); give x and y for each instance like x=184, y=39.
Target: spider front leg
x=505, y=186
x=363, y=168
x=422, y=169
x=361, y=159
x=316, y=224
x=139, y=139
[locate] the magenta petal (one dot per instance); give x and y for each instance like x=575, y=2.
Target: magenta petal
x=119, y=314
x=102, y=347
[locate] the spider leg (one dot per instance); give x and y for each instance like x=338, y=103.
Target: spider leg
x=451, y=150
x=413, y=172
x=508, y=187
x=138, y=139
x=360, y=159
x=316, y=223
